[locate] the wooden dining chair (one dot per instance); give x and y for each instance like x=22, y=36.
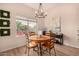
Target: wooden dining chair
x=49, y=45
x=33, y=34
x=30, y=44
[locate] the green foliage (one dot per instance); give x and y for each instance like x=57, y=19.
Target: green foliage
x=20, y=26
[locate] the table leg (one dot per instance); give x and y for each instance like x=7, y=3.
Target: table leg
x=40, y=49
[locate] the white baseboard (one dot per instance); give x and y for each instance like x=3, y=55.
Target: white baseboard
x=71, y=45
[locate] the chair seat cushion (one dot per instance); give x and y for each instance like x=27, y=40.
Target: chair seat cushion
x=32, y=44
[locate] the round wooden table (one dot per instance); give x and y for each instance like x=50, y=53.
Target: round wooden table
x=39, y=41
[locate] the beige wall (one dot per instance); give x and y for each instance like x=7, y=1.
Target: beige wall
x=69, y=14
x=69, y=23
x=9, y=42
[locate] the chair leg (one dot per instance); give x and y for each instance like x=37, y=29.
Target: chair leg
x=38, y=51
x=54, y=51
x=28, y=51
x=49, y=51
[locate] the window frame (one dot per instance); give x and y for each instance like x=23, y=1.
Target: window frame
x=28, y=20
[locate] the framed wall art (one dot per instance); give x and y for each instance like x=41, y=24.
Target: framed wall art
x=4, y=14
x=4, y=23
x=4, y=32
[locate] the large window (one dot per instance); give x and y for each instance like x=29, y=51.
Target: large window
x=25, y=25
x=32, y=26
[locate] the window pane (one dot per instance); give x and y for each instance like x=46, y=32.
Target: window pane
x=21, y=26
x=32, y=26
x=25, y=25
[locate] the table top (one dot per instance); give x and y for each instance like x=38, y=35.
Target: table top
x=39, y=39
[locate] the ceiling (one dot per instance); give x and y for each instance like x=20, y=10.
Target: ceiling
x=47, y=6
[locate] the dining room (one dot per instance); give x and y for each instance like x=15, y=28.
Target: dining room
x=39, y=29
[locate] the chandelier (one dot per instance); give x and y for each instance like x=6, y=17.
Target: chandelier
x=40, y=13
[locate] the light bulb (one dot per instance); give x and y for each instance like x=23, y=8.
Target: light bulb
x=35, y=12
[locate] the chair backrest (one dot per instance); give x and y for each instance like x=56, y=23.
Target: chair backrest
x=52, y=35
x=47, y=34
x=32, y=33
x=50, y=43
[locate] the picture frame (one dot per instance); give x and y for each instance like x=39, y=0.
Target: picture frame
x=4, y=14
x=4, y=23
x=4, y=32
